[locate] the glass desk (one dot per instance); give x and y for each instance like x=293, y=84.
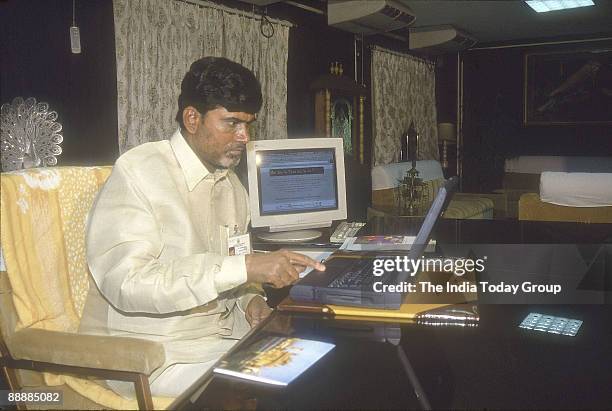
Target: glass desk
x=388, y=365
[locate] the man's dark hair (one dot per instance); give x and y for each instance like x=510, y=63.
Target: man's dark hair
x=213, y=82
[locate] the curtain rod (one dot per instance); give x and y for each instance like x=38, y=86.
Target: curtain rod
x=546, y=43
x=406, y=55
x=250, y=15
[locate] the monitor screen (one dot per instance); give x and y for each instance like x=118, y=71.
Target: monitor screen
x=296, y=181
x=296, y=184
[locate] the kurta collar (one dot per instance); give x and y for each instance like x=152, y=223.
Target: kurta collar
x=190, y=163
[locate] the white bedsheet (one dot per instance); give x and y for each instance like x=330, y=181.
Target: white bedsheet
x=576, y=189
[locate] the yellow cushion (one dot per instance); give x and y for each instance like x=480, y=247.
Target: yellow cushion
x=43, y=241
x=474, y=208
x=533, y=209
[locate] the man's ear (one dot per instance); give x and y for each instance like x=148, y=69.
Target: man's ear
x=191, y=119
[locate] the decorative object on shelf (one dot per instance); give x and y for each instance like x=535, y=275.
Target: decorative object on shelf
x=411, y=189
x=411, y=193
x=30, y=135
x=446, y=135
x=339, y=109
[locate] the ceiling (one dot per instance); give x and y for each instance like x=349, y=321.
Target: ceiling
x=511, y=21
x=496, y=21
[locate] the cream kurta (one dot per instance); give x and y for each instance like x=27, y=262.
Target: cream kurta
x=155, y=252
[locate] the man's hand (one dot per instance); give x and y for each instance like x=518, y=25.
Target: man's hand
x=279, y=268
x=257, y=310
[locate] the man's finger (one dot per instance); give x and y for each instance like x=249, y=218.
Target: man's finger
x=301, y=259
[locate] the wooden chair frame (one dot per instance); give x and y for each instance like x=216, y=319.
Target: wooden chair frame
x=9, y=365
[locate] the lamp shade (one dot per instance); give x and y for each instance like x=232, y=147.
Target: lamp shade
x=446, y=132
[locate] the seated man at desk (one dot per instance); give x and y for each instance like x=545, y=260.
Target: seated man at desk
x=154, y=239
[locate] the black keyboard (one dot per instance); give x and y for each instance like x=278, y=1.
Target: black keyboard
x=358, y=274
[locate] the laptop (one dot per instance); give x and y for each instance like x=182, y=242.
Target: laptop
x=351, y=281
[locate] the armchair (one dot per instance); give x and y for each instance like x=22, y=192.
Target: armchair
x=43, y=286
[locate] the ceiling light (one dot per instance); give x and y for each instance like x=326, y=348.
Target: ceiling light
x=542, y=6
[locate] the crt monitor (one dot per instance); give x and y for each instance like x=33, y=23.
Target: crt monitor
x=296, y=185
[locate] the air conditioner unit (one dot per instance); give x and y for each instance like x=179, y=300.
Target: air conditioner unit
x=439, y=39
x=368, y=16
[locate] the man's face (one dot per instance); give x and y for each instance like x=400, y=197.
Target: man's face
x=219, y=137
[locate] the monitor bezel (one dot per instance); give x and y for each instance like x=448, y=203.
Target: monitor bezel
x=293, y=221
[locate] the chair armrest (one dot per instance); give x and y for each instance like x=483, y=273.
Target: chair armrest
x=90, y=351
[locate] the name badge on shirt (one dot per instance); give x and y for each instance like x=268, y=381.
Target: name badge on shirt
x=237, y=244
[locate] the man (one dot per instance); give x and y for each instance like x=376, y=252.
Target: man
x=155, y=234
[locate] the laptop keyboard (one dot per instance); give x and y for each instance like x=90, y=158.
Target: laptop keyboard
x=359, y=274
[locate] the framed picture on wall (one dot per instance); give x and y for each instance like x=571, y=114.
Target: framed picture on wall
x=573, y=87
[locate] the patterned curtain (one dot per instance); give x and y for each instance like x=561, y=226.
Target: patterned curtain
x=157, y=40
x=403, y=91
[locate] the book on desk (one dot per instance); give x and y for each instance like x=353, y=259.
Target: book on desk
x=274, y=360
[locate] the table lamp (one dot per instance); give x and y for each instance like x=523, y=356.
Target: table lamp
x=446, y=135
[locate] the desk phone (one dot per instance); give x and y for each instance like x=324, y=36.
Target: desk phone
x=344, y=231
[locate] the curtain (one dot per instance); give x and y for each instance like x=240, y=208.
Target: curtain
x=157, y=40
x=403, y=91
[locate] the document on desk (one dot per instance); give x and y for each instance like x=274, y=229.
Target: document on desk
x=383, y=243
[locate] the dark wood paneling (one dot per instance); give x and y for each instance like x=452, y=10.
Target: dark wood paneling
x=493, y=120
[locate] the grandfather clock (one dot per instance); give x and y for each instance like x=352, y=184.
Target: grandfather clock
x=339, y=110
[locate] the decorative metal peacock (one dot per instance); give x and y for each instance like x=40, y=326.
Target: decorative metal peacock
x=29, y=134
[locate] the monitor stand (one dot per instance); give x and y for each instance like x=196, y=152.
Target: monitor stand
x=296, y=236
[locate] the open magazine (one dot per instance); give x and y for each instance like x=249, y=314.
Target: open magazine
x=274, y=360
